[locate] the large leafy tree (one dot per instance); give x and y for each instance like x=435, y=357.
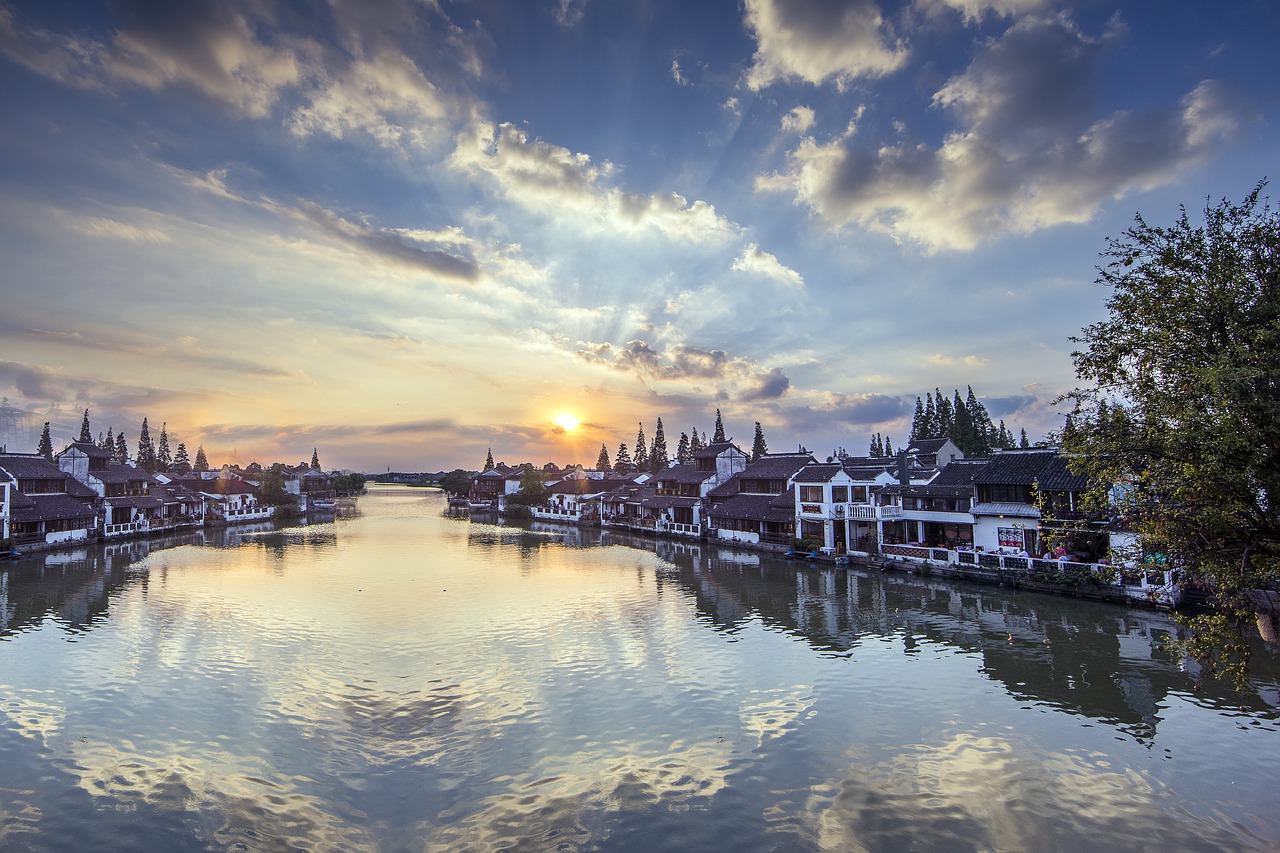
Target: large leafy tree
x=1182, y=408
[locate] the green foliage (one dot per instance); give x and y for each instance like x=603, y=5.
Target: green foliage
x=683, y=454
x=202, y=461
x=271, y=490
x=658, y=457
x=164, y=459
x=718, y=436
x=1182, y=409
x=347, y=484
x=315, y=459
x=641, y=459
x=181, y=462
x=622, y=460
x=488, y=461
x=456, y=482
x=146, y=457
x=85, y=433
x=121, y=454
x=602, y=461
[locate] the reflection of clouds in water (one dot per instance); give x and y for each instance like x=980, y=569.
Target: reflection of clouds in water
x=776, y=712
x=581, y=810
x=983, y=793
x=227, y=808
x=32, y=716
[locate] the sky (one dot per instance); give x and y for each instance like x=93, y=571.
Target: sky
x=405, y=231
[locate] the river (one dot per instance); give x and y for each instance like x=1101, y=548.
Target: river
x=398, y=679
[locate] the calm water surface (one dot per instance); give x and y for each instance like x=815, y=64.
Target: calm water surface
x=401, y=680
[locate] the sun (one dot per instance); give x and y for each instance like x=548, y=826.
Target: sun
x=567, y=422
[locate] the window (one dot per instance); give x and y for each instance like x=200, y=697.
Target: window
x=859, y=495
x=839, y=494
x=811, y=494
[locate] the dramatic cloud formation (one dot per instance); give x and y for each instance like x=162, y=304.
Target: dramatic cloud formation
x=1029, y=153
x=816, y=41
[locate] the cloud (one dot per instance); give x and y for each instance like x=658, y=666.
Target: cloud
x=974, y=11
x=769, y=386
x=835, y=410
x=552, y=180
x=34, y=382
x=569, y=13
x=677, y=75
x=1028, y=154
x=756, y=261
x=798, y=120
x=815, y=41
x=952, y=360
x=96, y=226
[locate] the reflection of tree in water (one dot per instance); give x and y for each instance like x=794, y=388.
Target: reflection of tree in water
x=1102, y=661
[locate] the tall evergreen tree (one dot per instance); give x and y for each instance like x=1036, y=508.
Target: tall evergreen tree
x=918, y=421
x=875, y=448
x=181, y=462
x=641, y=458
x=602, y=461
x=658, y=458
x=888, y=446
x=45, y=447
x=146, y=458
x=759, y=447
x=929, y=429
x=1022, y=442
x=315, y=459
x=488, y=461
x=946, y=415
x=962, y=429
x=85, y=434
x=202, y=461
x=696, y=443
x=122, y=449
x=164, y=459
x=683, y=454
x=622, y=460
x=718, y=436
x=109, y=443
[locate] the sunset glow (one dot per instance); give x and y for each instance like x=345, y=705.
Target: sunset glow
x=406, y=233
x=567, y=422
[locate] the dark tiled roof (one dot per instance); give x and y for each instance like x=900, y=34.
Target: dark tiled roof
x=88, y=448
x=754, y=508
x=683, y=474
x=50, y=507
x=1014, y=467
x=869, y=471
x=818, y=473
x=116, y=473
x=959, y=473
x=584, y=487
x=667, y=501
x=77, y=489
x=218, y=486
x=715, y=448
x=928, y=445
x=778, y=466
x=31, y=467
x=1058, y=477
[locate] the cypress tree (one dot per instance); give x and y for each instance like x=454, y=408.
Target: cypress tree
x=85, y=434
x=146, y=450
x=202, y=461
x=1022, y=442
x=929, y=428
x=45, y=447
x=918, y=422
x=695, y=443
x=315, y=459
x=888, y=446
x=875, y=448
x=622, y=460
x=181, y=462
x=683, y=454
x=719, y=433
x=122, y=449
x=962, y=427
x=658, y=458
x=602, y=461
x=488, y=461
x=641, y=459
x=946, y=415
x=164, y=459
x=109, y=444
x=759, y=447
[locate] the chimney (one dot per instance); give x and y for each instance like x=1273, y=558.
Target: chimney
x=904, y=473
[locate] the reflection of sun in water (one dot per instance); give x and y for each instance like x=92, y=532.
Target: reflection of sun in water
x=567, y=422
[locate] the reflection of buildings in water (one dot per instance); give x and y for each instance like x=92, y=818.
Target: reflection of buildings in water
x=1102, y=661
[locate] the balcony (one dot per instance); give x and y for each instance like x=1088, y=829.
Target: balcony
x=868, y=512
